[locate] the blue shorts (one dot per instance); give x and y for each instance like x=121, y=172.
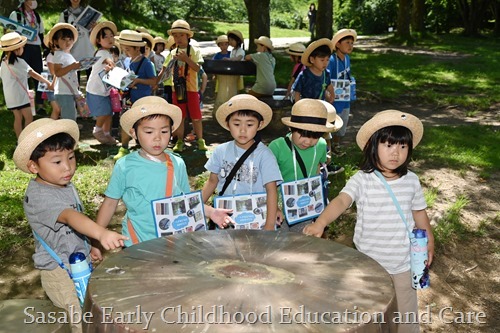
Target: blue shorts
x=99, y=105
x=50, y=96
x=68, y=107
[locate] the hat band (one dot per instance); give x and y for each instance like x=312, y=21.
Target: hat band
x=181, y=28
x=130, y=40
x=16, y=43
x=308, y=120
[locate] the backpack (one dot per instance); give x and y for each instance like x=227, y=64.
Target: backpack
x=20, y=17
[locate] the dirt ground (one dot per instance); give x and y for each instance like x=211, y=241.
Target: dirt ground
x=465, y=277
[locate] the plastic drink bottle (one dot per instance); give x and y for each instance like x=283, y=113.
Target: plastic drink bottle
x=116, y=104
x=80, y=271
x=419, y=260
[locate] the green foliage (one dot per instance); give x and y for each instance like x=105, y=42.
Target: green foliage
x=367, y=17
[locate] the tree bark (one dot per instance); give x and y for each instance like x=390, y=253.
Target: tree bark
x=259, y=21
x=403, y=24
x=496, y=14
x=418, y=16
x=324, y=19
x=472, y=12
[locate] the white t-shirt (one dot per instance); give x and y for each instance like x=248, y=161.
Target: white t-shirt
x=237, y=52
x=158, y=60
x=66, y=59
x=82, y=48
x=13, y=93
x=95, y=85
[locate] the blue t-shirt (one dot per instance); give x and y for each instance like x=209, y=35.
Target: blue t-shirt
x=340, y=69
x=219, y=56
x=146, y=71
x=310, y=85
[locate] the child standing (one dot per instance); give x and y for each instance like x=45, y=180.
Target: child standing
x=14, y=73
x=243, y=116
x=98, y=100
x=387, y=141
x=134, y=47
x=54, y=209
x=150, y=122
x=223, y=44
x=295, y=51
x=157, y=58
x=308, y=123
x=340, y=71
x=49, y=59
x=63, y=36
x=265, y=83
x=314, y=81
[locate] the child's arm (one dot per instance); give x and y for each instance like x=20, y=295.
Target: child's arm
x=38, y=77
x=219, y=216
x=182, y=56
x=248, y=57
x=149, y=82
x=422, y=222
x=50, y=65
x=204, y=82
x=329, y=94
x=210, y=186
x=106, y=212
x=334, y=209
x=272, y=205
x=59, y=70
x=296, y=96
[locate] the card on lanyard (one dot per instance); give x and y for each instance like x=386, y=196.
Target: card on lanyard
x=302, y=199
x=249, y=210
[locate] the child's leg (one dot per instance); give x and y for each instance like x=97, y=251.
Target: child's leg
x=340, y=133
x=19, y=115
x=56, y=110
x=61, y=291
x=196, y=118
x=407, y=303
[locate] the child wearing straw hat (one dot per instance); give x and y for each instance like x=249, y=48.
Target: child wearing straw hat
x=308, y=123
x=223, y=44
x=54, y=209
x=243, y=116
x=237, y=42
x=295, y=51
x=14, y=72
x=387, y=141
x=265, y=83
x=314, y=81
x=150, y=121
x=98, y=100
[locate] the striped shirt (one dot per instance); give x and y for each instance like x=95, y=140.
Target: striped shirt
x=380, y=233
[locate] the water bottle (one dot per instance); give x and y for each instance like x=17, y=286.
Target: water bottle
x=116, y=104
x=419, y=260
x=80, y=270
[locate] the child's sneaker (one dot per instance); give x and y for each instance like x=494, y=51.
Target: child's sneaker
x=201, y=144
x=121, y=153
x=101, y=137
x=179, y=146
x=334, y=169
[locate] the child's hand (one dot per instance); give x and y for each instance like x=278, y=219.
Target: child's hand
x=111, y=240
x=76, y=65
x=182, y=56
x=329, y=97
x=279, y=217
x=313, y=229
x=221, y=217
x=95, y=254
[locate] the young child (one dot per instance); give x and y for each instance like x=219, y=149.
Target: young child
x=308, y=123
x=339, y=66
x=223, y=44
x=295, y=51
x=98, y=100
x=157, y=58
x=54, y=209
x=14, y=73
x=243, y=116
x=265, y=83
x=134, y=47
x=236, y=41
x=150, y=122
x=49, y=59
x=387, y=141
x=63, y=36
x=168, y=82
x=314, y=81
x=187, y=59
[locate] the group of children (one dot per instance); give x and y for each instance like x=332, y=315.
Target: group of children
x=243, y=165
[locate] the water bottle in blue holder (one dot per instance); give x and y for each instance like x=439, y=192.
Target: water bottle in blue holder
x=419, y=260
x=80, y=271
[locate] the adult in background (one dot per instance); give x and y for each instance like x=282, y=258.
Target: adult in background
x=82, y=48
x=311, y=15
x=26, y=15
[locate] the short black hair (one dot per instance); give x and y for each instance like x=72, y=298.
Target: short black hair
x=321, y=51
x=306, y=133
x=56, y=142
x=101, y=34
x=236, y=38
x=247, y=113
x=63, y=33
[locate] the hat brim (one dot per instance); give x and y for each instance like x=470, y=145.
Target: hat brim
x=269, y=46
x=237, y=33
x=343, y=33
x=237, y=104
x=295, y=53
x=182, y=31
x=313, y=46
x=38, y=131
x=148, y=108
x=390, y=118
x=60, y=26
x=102, y=25
x=19, y=44
x=328, y=127
x=128, y=42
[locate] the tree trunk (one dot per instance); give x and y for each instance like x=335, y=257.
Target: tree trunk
x=496, y=14
x=324, y=19
x=403, y=25
x=418, y=16
x=472, y=12
x=7, y=7
x=259, y=21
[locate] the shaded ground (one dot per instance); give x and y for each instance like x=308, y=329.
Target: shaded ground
x=465, y=276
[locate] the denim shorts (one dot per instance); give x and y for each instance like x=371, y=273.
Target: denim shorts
x=50, y=96
x=99, y=105
x=68, y=107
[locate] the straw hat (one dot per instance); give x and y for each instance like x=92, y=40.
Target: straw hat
x=147, y=106
x=149, y=38
x=130, y=38
x=309, y=114
x=59, y=26
x=333, y=117
x=296, y=49
x=159, y=40
x=237, y=33
x=313, y=46
x=37, y=132
x=266, y=41
x=221, y=39
x=12, y=41
x=141, y=29
x=243, y=102
x=102, y=25
x=390, y=118
x=343, y=33
x=181, y=26
x=170, y=42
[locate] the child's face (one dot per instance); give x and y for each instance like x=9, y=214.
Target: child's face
x=319, y=63
x=303, y=142
x=19, y=52
x=261, y=48
x=181, y=39
x=223, y=46
x=233, y=42
x=243, y=129
x=108, y=40
x=131, y=51
x=154, y=135
x=55, y=167
x=345, y=46
x=391, y=156
x=65, y=43
x=159, y=48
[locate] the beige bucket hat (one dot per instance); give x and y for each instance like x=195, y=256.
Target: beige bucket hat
x=159, y=40
x=147, y=106
x=130, y=38
x=181, y=26
x=59, y=26
x=140, y=29
x=149, y=38
x=221, y=39
x=390, y=118
x=296, y=49
x=102, y=25
x=12, y=41
x=341, y=34
x=243, y=102
x=333, y=117
x=313, y=46
x=309, y=114
x=237, y=33
x=37, y=132
x=266, y=41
